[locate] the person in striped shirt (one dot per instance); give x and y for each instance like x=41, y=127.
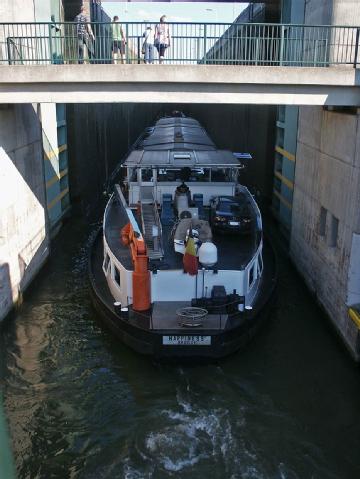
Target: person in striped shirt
x=85, y=35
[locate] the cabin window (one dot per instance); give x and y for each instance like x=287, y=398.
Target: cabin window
x=251, y=275
x=116, y=275
x=260, y=263
x=106, y=263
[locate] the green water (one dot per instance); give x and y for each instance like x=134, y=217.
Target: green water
x=81, y=405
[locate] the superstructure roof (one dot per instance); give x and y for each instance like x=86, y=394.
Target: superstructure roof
x=178, y=133
x=180, y=159
x=177, y=142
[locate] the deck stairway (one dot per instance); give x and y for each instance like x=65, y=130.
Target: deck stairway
x=151, y=225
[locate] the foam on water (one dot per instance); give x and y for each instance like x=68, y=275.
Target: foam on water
x=193, y=434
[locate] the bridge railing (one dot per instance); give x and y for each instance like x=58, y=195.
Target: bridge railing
x=191, y=43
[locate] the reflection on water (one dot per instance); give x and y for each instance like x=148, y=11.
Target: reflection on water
x=81, y=405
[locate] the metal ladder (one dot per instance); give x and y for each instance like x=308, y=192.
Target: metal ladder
x=150, y=219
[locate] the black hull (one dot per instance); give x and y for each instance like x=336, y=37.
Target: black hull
x=148, y=341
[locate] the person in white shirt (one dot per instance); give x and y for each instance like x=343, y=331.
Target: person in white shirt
x=148, y=45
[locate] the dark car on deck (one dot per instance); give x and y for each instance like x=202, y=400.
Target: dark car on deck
x=232, y=213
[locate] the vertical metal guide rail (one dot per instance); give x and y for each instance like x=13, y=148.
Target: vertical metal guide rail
x=191, y=43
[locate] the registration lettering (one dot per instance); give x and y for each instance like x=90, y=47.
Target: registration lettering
x=186, y=340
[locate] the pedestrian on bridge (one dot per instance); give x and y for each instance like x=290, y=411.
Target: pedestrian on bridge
x=148, y=45
x=162, y=37
x=119, y=40
x=85, y=35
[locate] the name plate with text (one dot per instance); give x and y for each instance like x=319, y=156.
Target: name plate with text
x=186, y=340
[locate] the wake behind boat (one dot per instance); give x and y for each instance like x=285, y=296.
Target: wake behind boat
x=180, y=268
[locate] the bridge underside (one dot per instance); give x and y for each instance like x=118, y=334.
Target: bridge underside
x=185, y=84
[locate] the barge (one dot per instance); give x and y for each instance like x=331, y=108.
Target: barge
x=180, y=268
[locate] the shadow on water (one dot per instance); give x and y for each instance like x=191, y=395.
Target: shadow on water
x=81, y=405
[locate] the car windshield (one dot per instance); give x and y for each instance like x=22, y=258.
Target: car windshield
x=227, y=206
x=239, y=206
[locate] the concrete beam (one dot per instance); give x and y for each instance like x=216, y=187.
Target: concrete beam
x=174, y=83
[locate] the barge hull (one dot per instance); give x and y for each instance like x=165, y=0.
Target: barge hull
x=147, y=341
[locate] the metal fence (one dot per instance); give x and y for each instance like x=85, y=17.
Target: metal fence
x=191, y=43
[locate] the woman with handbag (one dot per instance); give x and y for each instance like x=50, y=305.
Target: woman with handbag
x=148, y=45
x=162, y=37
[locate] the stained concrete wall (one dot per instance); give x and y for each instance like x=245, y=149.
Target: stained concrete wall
x=24, y=237
x=24, y=243
x=17, y=11
x=345, y=12
x=325, y=234
x=328, y=176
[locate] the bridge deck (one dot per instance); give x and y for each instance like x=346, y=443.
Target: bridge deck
x=168, y=83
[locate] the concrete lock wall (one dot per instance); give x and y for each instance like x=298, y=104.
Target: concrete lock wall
x=24, y=235
x=326, y=219
x=24, y=241
x=325, y=240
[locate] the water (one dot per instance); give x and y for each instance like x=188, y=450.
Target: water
x=81, y=405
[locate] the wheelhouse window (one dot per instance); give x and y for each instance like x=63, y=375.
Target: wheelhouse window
x=222, y=174
x=116, y=275
x=184, y=174
x=132, y=175
x=169, y=174
x=146, y=174
x=200, y=174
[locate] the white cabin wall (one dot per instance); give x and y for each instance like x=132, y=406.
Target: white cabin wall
x=205, y=189
x=123, y=294
x=176, y=285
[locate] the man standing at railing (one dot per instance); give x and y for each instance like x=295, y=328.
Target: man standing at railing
x=148, y=45
x=85, y=35
x=119, y=41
